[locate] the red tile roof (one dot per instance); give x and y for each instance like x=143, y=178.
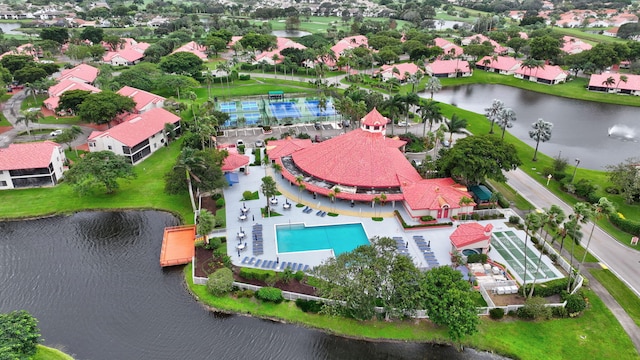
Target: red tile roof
x=410, y=68
x=357, y=158
x=470, y=233
x=282, y=43
x=449, y=47
x=142, y=98
x=448, y=66
x=130, y=55
x=63, y=86
x=548, y=72
x=234, y=161
x=138, y=127
x=374, y=118
x=279, y=148
x=633, y=81
x=194, y=48
x=84, y=72
x=502, y=63
x=27, y=155
x=432, y=194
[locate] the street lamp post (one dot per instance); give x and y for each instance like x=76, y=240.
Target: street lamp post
x=575, y=169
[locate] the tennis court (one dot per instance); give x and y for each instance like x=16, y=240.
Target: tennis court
x=509, y=245
x=249, y=106
x=314, y=108
x=249, y=119
x=228, y=106
x=282, y=110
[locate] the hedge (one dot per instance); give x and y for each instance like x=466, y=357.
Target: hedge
x=309, y=306
x=550, y=288
x=406, y=226
x=256, y=274
x=270, y=294
x=631, y=227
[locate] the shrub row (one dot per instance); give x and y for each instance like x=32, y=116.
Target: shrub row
x=631, y=227
x=550, y=288
x=407, y=226
x=477, y=258
x=270, y=294
x=257, y=153
x=256, y=274
x=309, y=306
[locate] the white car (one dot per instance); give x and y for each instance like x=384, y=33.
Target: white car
x=403, y=124
x=259, y=143
x=55, y=132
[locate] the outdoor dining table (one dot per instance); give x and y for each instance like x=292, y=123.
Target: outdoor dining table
x=286, y=206
x=241, y=235
x=274, y=201
x=242, y=217
x=244, y=209
x=240, y=246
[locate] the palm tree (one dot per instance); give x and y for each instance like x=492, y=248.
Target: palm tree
x=531, y=64
x=29, y=117
x=275, y=59
x=455, y=125
x=608, y=82
x=581, y=214
x=541, y=132
x=409, y=99
x=465, y=200
x=68, y=135
x=533, y=222
x=301, y=186
x=624, y=79
x=505, y=119
x=429, y=112
x=603, y=208
x=433, y=86
x=551, y=217
x=493, y=112
x=269, y=190
x=394, y=106
x=190, y=162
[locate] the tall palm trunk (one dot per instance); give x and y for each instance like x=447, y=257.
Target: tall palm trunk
x=191, y=197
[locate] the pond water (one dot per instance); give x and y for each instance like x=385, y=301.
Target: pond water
x=10, y=28
x=290, y=33
x=94, y=282
x=581, y=129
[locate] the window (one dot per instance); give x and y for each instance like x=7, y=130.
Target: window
x=3, y=183
x=155, y=145
x=109, y=147
x=1, y=172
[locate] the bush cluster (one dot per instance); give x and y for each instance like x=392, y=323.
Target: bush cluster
x=496, y=313
x=244, y=77
x=220, y=282
x=244, y=294
x=513, y=219
x=550, y=288
x=309, y=306
x=256, y=274
x=270, y=294
x=631, y=227
x=220, y=203
x=214, y=243
x=247, y=195
x=477, y=258
x=534, y=308
x=575, y=302
x=407, y=226
x=427, y=218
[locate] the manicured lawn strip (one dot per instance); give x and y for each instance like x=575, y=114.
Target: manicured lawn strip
x=29, y=102
x=4, y=121
x=555, y=339
x=253, y=87
x=587, y=36
x=71, y=120
x=511, y=195
x=144, y=192
x=620, y=291
x=47, y=353
x=320, y=24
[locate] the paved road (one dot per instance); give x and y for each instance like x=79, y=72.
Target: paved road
x=623, y=261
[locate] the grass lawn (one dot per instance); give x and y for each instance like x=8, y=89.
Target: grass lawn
x=320, y=24
x=30, y=102
x=254, y=87
x=4, y=121
x=69, y=120
x=47, y=353
x=596, y=334
x=144, y=192
x=620, y=291
x=591, y=38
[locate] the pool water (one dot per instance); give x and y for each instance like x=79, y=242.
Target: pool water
x=341, y=238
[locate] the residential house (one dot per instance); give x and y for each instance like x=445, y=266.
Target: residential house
x=450, y=49
x=613, y=83
x=505, y=65
x=194, y=48
x=81, y=73
x=547, y=74
x=25, y=49
x=572, y=45
x=144, y=100
x=130, y=52
x=137, y=137
x=613, y=32
x=481, y=39
x=31, y=165
x=399, y=71
x=63, y=86
x=438, y=198
x=343, y=45
x=282, y=43
x=449, y=68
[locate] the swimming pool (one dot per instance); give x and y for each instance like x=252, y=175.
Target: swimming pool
x=341, y=238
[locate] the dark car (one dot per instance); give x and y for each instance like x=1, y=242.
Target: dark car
x=318, y=126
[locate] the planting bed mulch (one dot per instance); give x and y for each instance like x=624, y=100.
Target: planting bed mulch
x=4, y=129
x=209, y=204
x=205, y=265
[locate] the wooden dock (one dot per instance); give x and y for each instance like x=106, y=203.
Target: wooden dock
x=178, y=245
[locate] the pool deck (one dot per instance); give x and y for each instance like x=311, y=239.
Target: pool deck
x=360, y=213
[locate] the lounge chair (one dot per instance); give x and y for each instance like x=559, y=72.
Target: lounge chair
x=323, y=214
x=252, y=260
x=306, y=268
x=283, y=265
x=245, y=260
x=266, y=264
x=258, y=263
x=299, y=267
x=274, y=265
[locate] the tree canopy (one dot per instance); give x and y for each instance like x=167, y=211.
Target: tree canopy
x=103, y=107
x=477, y=157
x=19, y=335
x=57, y=34
x=102, y=168
x=70, y=100
x=202, y=166
x=182, y=63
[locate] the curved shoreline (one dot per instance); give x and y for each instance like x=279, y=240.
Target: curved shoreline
x=188, y=284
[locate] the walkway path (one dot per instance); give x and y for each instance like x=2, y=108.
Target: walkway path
x=620, y=259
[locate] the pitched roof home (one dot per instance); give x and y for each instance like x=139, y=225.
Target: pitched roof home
x=448, y=47
x=480, y=39
x=81, y=73
x=234, y=161
x=449, y=68
x=364, y=164
x=130, y=52
x=25, y=49
x=398, y=71
x=505, y=65
x=31, y=165
x=471, y=236
x=137, y=137
x=613, y=32
x=547, y=74
x=144, y=100
x=572, y=45
x=602, y=82
x=194, y=48
x=343, y=45
x=282, y=43
x=63, y=86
